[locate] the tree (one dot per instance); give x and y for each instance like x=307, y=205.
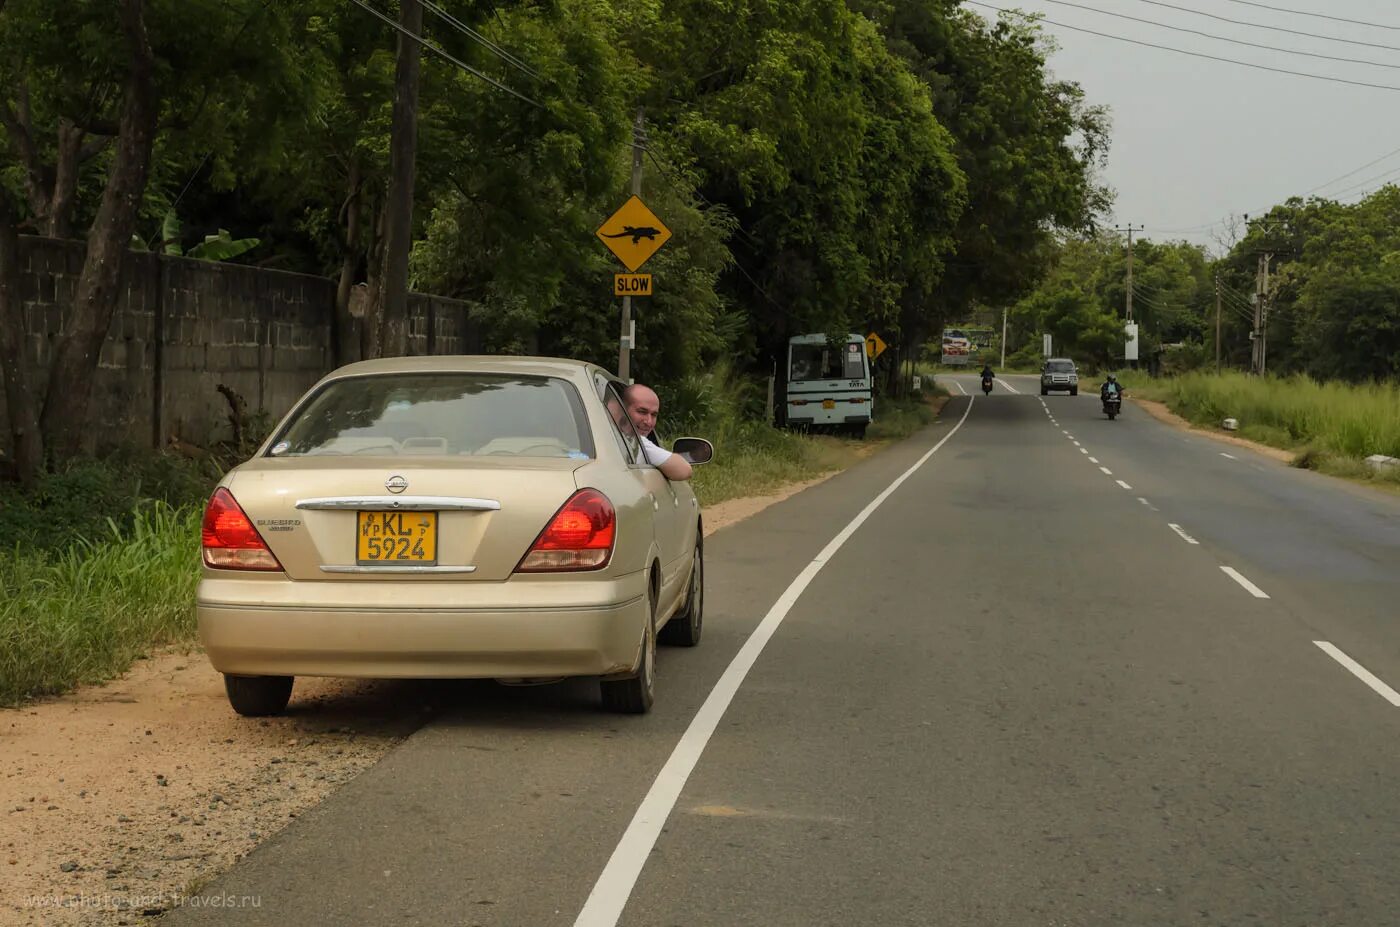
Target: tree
x=141, y=76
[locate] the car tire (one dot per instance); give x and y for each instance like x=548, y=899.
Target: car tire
x=1074, y=392
x=1044, y=391
x=858, y=431
x=258, y=696
x=684, y=628
x=635, y=694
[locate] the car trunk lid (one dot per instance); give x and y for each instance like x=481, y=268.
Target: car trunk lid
x=379, y=519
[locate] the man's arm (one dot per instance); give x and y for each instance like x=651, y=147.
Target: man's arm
x=672, y=466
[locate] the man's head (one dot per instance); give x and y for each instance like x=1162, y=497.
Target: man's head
x=643, y=406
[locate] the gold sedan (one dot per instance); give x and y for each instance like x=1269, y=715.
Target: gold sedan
x=452, y=517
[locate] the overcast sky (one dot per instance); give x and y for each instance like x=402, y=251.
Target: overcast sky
x=1195, y=140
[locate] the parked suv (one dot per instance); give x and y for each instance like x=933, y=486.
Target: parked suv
x=1058, y=373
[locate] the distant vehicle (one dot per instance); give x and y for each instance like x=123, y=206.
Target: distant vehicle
x=829, y=385
x=451, y=517
x=1059, y=374
x=957, y=347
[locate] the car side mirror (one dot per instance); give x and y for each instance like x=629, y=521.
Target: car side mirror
x=694, y=450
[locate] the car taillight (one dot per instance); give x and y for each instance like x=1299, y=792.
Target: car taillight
x=579, y=537
x=230, y=540
x=798, y=402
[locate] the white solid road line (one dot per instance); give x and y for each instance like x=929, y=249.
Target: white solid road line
x=1361, y=672
x=1249, y=587
x=1231, y=456
x=1124, y=485
x=614, y=887
x=1014, y=390
x=1184, y=536
x=961, y=390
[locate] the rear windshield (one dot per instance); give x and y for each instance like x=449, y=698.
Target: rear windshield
x=1060, y=367
x=440, y=415
x=827, y=362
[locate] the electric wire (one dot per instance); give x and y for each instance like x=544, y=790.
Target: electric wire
x=1221, y=38
x=442, y=54
x=1182, y=51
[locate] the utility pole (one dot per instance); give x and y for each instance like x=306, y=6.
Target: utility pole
x=1217, y=324
x=1003, y=338
x=624, y=351
x=1259, y=336
x=1130, y=229
x=392, y=336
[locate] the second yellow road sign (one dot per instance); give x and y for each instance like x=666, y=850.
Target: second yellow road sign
x=874, y=346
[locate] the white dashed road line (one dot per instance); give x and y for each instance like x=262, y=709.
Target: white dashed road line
x=1124, y=485
x=1184, y=536
x=1248, y=586
x=1106, y=471
x=1231, y=456
x=1093, y=460
x=1148, y=504
x=1361, y=672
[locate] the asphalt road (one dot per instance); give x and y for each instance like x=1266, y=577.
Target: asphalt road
x=1023, y=691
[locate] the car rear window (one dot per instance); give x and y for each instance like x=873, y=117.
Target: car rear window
x=440, y=415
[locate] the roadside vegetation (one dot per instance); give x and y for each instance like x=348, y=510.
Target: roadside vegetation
x=1330, y=426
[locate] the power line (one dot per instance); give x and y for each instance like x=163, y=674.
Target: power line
x=480, y=39
x=433, y=48
x=1351, y=173
x=1252, y=25
x=1182, y=51
x=1337, y=194
x=1221, y=38
x=1335, y=19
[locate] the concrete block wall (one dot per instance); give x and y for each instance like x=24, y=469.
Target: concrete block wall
x=183, y=326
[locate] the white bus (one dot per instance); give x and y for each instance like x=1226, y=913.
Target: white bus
x=829, y=385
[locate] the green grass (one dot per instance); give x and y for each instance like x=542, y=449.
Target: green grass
x=1333, y=427
x=83, y=614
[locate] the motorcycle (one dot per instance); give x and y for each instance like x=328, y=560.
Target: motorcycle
x=987, y=385
x=1112, y=405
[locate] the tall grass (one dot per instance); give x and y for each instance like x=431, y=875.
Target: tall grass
x=1342, y=419
x=83, y=614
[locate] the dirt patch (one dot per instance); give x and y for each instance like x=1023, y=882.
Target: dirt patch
x=118, y=799
x=1159, y=410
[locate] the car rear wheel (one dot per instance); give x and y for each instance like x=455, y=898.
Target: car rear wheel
x=255, y=696
x=635, y=694
x=683, y=630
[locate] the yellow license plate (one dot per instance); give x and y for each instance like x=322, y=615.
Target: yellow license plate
x=408, y=538
x=828, y=403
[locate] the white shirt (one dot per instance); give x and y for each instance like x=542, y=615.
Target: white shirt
x=655, y=455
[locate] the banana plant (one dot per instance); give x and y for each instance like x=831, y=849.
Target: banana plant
x=220, y=247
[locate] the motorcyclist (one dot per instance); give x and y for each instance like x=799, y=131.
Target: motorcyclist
x=987, y=373
x=1111, y=389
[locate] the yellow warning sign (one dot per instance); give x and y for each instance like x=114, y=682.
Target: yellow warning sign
x=634, y=233
x=874, y=346
x=631, y=284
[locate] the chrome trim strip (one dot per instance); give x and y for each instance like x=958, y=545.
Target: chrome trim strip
x=530, y=610
x=401, y=504
x=395, y=568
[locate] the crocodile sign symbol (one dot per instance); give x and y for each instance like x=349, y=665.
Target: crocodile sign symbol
x=637, y=233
